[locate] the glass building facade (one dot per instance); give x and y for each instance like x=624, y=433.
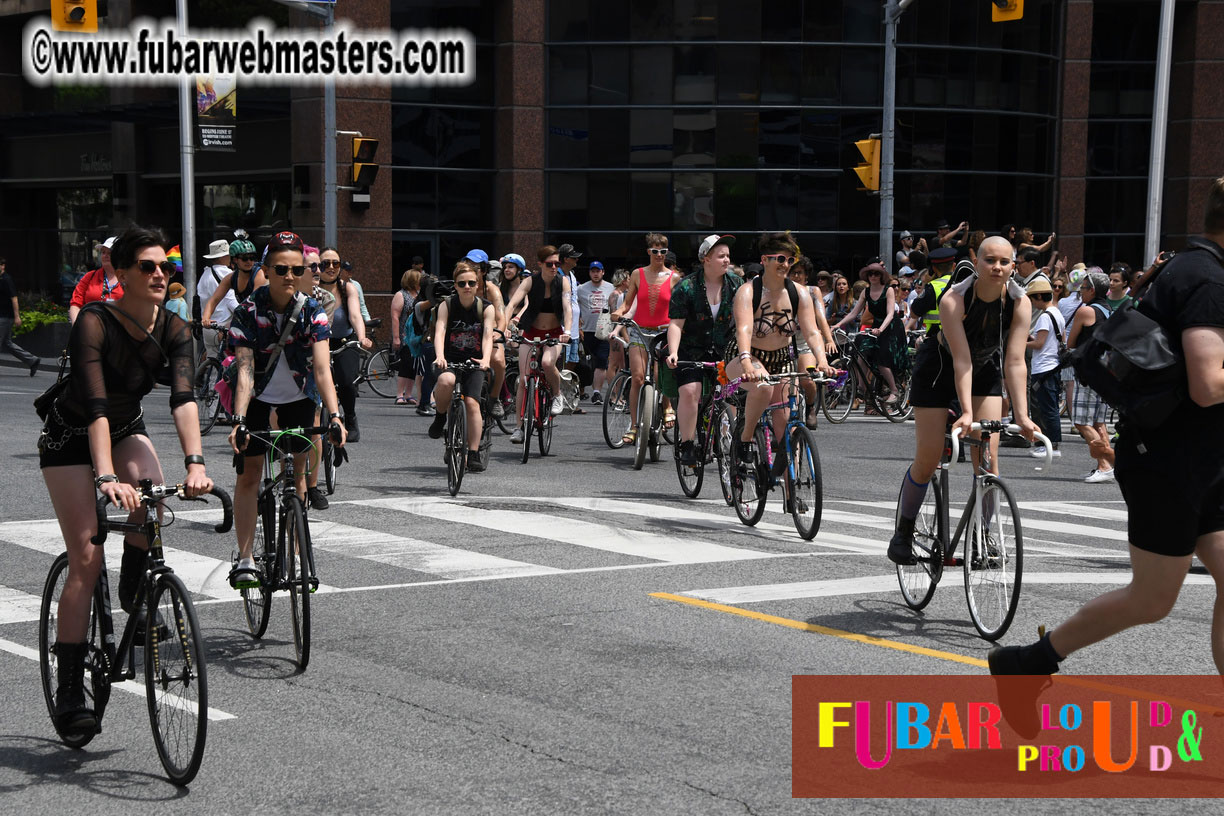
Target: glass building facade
x=692, y=116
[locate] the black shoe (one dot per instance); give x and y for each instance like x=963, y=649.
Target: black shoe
x=71, y=714
x=473, y=462
x=435, y=427
x=1007, y=439
x=353, y=433
x=34, y=367
x=688, y=453
x=1037, y=658
x=811, y=420
x=901, y=545
x=316, y=498
x=424, y=410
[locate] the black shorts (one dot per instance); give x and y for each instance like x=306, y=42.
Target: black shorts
x=300, y=414
x=470, y=382
x=597, y=349
x=406, y=364
x=1174, y=493
x=933, y=382
x=73, y=449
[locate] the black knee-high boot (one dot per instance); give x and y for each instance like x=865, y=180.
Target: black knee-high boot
x=71, y=714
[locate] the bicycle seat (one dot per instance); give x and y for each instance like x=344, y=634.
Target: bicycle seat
x=373, y=323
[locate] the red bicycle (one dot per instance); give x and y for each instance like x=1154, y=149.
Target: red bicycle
x=538, y=397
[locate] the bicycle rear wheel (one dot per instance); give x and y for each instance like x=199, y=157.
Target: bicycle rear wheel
x=208, y=401
x=722, y=428
x=545, y=419
x=691, y=476
x=994, y=561
x=456, y=445
x=508, y=421
x=176, y=681
x=380, y=374
x=750, y=480
x=918, y=581
x=328, y=462
x=658, y=433
x=836, y=403
x=257, y=602
x=616, y=417
x=295, y=539
x=529, y=418
x=97, y=681
x=807, y=486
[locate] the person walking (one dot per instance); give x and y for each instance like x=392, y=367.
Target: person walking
x=592, y=302
x=102, y=284
x=10, y=318
x=1088, y=410
x=1048, y=329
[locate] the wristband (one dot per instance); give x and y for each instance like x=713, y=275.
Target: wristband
x=104, y=478
x=332, y=417
x=744, y=355
x=193, y=459
x=238, y=419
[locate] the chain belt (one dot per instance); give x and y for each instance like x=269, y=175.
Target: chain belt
x=49, y=442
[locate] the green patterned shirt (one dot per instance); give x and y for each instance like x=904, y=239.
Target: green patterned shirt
x=704, y=336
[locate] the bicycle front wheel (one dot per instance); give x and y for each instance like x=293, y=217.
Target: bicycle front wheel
x=380, y=374
x=295, y=539
x=918, y=581
x=807, y=485
x=545, y=420
x=176, y=682
x=994, y=560
x=722, y=427
x=750, y=480
x=616, y=417
x=529, y=418
x=645, y=422
x=257, y=601
x=658, y=432
x=836, y=403
x=208, y=401
x=691, y=476
x=97, y=681
x=456, y=445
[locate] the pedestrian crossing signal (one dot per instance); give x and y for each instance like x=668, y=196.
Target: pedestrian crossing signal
x=74, y=15
x=1004, y=10
x=365, y=170
x=869, y=171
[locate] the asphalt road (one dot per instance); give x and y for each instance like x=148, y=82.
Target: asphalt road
x=508, y=651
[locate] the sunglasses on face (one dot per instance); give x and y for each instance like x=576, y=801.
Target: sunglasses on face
x=552, y=264
x=330, y=264
x=285, y=269
x=248, y=257
x=781, y=259
x=465, y=284
x=658, y=252
x=149, y=267
x=314, y=267
x=1058, y=286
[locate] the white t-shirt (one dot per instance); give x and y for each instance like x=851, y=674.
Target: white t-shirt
x=282, y=388
x=1046, y=358
x=210, y=279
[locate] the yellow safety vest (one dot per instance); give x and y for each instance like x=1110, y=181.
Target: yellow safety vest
x=931, y=318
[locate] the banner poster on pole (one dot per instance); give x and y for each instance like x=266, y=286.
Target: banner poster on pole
x=216, y=112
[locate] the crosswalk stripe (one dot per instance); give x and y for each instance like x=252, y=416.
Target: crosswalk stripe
x=1086, y=511
x=669, y=549
x=872, y=584
x=17, y=606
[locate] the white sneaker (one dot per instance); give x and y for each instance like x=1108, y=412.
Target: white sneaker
x=1039, y=452
x=558, y=404
x=516, y=438
x=1100, y=476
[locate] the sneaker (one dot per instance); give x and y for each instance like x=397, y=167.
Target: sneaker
x=34, y=367
x=516, y=438
x=558, y=404
x=436, y=427
x=244, y=575
x=1039, y=452
x=688, y=453
x=1100, y=476
x=1007, y=439
x=424, y=410
x=596, y=398
x=473, y=462
x=499, y=410
x=316, y=498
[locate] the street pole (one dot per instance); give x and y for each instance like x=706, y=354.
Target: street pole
x=329, y=145
x=1160, y=122
x=892, y=11
x=187, y=164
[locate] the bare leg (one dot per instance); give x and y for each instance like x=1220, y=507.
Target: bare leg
x=73, y=495
x=686, y=419
x=1210, y=550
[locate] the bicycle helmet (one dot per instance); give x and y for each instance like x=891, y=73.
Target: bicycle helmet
x=515, y=259
x=241, y=246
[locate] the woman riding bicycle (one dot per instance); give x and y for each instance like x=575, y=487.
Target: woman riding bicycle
x=238, y=286
x=800, y=275
x=983, y=329
x=769, y=312
x=117, y=351
x=547, y=314
x=654, y=283
x=701, y=325
x=464, y=332
x=884, y=343
x=276, y=375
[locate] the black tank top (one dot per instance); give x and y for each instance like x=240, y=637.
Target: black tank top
x=986, y=323
x=538, y=304
x=245, y=292
x=464, y=330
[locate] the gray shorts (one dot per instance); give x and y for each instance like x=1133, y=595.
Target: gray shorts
x=1087, y=407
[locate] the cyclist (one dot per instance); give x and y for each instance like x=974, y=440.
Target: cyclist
x=463, y=331
x=117, y=352
x=884, y=343
x=491, y=291
x=513, y=272
x=238, y=286
x=273, y=372
x=346, y=323
x=309, y=286
x=546, y=316
x=800, y=274
x=980, y=341
x=701, y=325
x=655, y=282
x=769, y=312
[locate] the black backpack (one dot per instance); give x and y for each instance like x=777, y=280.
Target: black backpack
x=1134, y=365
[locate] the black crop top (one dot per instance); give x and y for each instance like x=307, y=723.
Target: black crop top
x=110, y=370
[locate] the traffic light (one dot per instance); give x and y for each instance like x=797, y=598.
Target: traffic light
x=869, y=171
x=364, y=168
x=74, y=15
x=1004, y=10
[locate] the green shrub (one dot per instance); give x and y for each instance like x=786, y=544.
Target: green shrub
x=40, y=313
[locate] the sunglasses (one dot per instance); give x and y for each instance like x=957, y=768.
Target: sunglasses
x=247, y=257
x=466, y=284
x=894, y=286
x=314, y=267
x=1058, y=286
x=149, y=267
x=330, y=264
x=658, y=252
x=552, y=264
x=782, y=259
x=285, y=269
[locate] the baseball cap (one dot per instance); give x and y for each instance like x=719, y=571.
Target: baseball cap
x=477, y=256
x=110, y=242
x=943, y=255
x=217, y=249
x=906, y=234
x=712, y=241
x=943, y=224
x=568, y=251
x=596, y=265
x=282, y=240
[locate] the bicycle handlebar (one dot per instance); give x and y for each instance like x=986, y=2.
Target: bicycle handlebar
x=155, y=493
x=996, y=426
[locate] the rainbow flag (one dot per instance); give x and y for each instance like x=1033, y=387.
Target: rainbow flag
x=175, y=255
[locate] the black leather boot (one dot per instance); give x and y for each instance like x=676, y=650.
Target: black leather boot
x=71, y=714
x=901, y=546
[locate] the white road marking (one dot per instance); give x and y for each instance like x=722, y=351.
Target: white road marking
x=17, y=606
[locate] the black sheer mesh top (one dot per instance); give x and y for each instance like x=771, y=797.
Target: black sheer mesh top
x=110, y=370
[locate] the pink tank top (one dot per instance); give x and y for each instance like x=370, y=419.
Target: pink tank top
x=652, y=302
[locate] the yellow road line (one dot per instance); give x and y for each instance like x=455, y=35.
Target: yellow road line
x=816, y=628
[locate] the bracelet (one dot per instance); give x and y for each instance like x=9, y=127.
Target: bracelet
x=193, y=459
x=104, y=478
x=238, y=419
x=331, y=417
x=744, y=355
